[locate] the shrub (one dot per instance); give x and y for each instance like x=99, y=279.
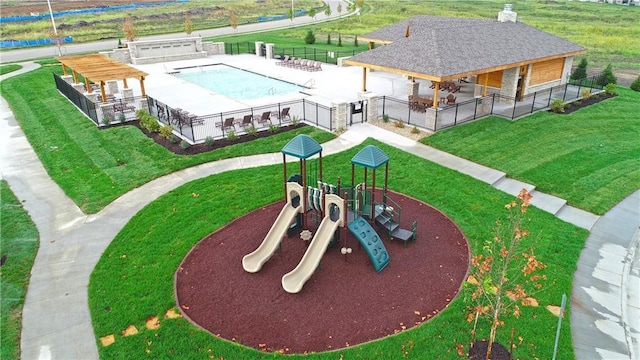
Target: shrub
x=328, y=39
x=295, y=121
x=274, y=129
x=107, y=119
x=209, y=140
x=166, y=131
x=184, y=145
x=415, y=130
x=310, y=38
x=251, y=130
x=557, y=106
x=140, y=113
x=581, y=71
x=173, y=139
x=586, y=93
x=122, y=118
x=611, y=89
x=635, y=85
x=606, y=77
x=385, y=118
x=150, y=123
x=231, y=136
x=398, y=124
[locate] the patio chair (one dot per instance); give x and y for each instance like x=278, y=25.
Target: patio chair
x=283, y=61
x=453, y=88
x=284, y=115
x=317, y=66
x=451, y=99
x=265, y=118
x=229, y=123
x=247, y=122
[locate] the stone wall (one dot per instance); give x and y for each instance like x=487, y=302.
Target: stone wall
x=154, y=51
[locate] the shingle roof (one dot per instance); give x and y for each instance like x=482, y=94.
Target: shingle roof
x=447, y=47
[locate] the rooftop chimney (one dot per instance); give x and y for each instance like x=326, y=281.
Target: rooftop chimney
x=507, y=14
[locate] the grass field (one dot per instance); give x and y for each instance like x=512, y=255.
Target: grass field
x=18, y=247
x=142, y=259
x=590, y=157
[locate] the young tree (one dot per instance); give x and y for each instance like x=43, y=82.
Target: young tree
x=128, y=29
x=635, y=85
x=339, y=8
x=580, y=72
x=310, y=38
x=327, y=9
x=313, y=12
x=503, y=273
x=607, y=77
x=188, y=25
x=355, y=41
x=233, y=21
x=339, y=40
x=328, y=39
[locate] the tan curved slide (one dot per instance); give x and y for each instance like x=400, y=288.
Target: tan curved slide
x=293, y=281
x=253, y=262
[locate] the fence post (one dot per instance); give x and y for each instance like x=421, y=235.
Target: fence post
x=455, y=117
x=533, y=104
x=513, y=113
x=493, y=101
x=550, y=96
x=564, y=96
x=475, y=110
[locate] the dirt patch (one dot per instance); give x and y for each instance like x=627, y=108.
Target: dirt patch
x=407, y=131
x=344, y=303
x=9, y=8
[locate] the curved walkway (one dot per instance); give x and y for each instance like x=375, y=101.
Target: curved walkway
x=71, y=244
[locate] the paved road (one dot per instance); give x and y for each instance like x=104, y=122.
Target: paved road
x=96, y=46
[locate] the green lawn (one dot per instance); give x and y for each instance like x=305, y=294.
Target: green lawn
x=141, y=261
x=92, y=166
x=18, y=247
x=5, y=69
x=590, y=157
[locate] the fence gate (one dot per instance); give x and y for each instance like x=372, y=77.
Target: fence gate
x=357, y=112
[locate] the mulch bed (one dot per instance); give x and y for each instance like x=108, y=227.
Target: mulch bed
x=579, y=104
x=201, y=147
x=344, y=303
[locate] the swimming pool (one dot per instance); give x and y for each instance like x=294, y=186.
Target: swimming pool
x=236, y=83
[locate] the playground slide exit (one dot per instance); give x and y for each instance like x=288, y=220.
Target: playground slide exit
x=293, y=281
x=253, y=262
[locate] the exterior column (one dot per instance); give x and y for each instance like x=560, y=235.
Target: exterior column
x=413, y=88
x=364, y=79
x=339, y=115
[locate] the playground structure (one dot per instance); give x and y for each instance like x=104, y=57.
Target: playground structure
x=350, y=212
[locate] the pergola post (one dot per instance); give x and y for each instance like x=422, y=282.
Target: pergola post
x=103, y=93
x=124, y=82
x=75, y=77
x=364, y=79
x=435, y=93
x=88, y=85
x=144, y=94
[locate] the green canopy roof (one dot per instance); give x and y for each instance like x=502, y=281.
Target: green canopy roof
x=302, y=147
x=370, y=157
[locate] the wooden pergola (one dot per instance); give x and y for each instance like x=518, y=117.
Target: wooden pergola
x=98, y=68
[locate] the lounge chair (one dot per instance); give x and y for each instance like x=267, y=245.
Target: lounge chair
x=317, y=66
x=284, y=115
x=247, y=122
x=291, y=62
x=454, y=88
x=283, y=61
x=302, y=64
x=229, y=123
x=265, y=118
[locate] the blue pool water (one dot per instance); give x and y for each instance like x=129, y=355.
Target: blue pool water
x=236, y=83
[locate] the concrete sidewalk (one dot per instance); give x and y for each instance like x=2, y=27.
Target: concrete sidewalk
x=56, y=319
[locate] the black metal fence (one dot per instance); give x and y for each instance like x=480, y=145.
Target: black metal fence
x=445, y=116
x=309, y=53
x=116, y=110
x=239, y=122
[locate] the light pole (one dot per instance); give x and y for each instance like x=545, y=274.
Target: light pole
x=55, y=31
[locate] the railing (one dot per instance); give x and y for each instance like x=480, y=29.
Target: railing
x=493, y=104
x=261, y=118
x=115, y=111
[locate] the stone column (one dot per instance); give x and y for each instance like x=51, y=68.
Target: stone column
x=372, y=106
x=566, y=70
x=127, y=94
x=67, y=78
x=413, y=88
x=112, y=86
x=93, y=97
x=80, y=87
x=431, y=119
x=258, y=45
x=510, y=82
x=143, y=104
x=108, y=115
x=339, y=115
x=269, y=50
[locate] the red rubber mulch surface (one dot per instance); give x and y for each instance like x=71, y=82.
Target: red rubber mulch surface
x=344, y=303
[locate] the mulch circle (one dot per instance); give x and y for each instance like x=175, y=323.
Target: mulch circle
x=344, y=303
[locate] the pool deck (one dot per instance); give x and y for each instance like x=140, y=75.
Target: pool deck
x=331, y=85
